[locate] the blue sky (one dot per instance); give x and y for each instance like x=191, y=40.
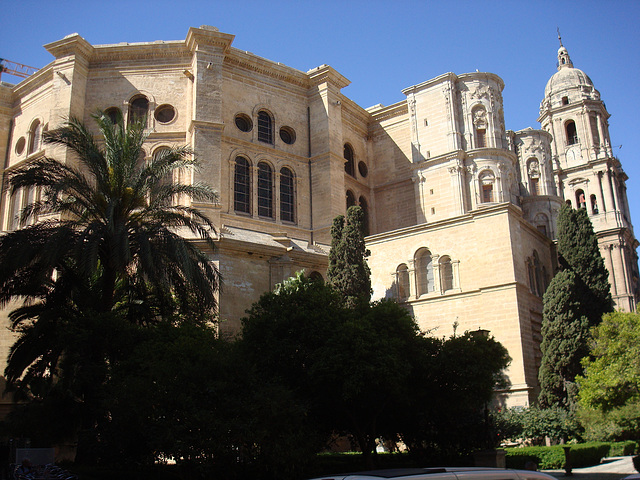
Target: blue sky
x=384, y=46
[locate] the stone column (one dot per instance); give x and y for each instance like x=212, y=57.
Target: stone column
x=413, y=281
x=457, y=185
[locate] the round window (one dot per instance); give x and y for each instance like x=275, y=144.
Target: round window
x=362, y=168
x=243, y=123
x=20, y=144
x=165, y=113
x=288, y=135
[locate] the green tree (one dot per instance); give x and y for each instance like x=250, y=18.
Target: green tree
x=578, y=250
x=610, y=388
x=565, y=330
x=576, y=299
x=348, y=271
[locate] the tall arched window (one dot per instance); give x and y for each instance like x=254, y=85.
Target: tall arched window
x=351, y=199
x=594, y=204
x=265, y=127
x=350, y=163
x=446, y=273
x=487, y=180
x=572, y=134
x=265, y=190
x=581, y=201
x=424, y=271
x=242, y=186
x=402, y=281
x=287, y=195
x=157, y=156
x=480, y=126
x=35, y=137
x=541, y=221
x=365, y=210
x=138, y=108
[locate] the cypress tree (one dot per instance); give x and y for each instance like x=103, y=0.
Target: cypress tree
x=578, y=249
x=565, y=329
x=348, y=271
x=576, y=299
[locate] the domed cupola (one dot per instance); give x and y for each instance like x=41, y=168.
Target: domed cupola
x=568, y=78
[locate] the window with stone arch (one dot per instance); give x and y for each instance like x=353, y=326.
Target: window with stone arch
x=581, y=200
x=138, y=109
x=479, y=114
x=287, y=195
x=594, y=204
x=402, y=281
x=265, y=127
x=350, y=160
x=265, y=190
x=446, y=273
x=541, y=222
x=533, y=171
x=242, y=186
x=487, y=181
x=539, y=276
x=572, y=133
x=351, y=199
x=158, y=155
x=365, y=210
x=424, y=272
x=35, y=137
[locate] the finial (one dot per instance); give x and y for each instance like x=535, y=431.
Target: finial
x=559, y=37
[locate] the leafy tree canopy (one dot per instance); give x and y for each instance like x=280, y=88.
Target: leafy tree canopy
x=610, y=386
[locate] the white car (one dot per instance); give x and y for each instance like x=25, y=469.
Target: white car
x=444, y=473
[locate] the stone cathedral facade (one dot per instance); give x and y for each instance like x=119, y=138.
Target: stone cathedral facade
x=461, y=212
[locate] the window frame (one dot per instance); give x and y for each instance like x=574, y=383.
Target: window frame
x=242, y=185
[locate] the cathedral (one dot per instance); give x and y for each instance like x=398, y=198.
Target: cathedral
x=461, y=212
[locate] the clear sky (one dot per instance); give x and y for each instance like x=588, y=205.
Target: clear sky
x=384, y=46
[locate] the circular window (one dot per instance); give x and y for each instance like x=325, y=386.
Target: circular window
x=288, y=135
x=165, y=113
x=243, y=123
x=362, y=168
x=20, y=144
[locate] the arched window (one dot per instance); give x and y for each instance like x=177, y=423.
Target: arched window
x=316, y=276
x=157, y=155
x=242, y=186
x=350, y=163
x=594, y=204
x=351, y=199
x=424, y=271
x=35, y=137
x=480, y=126
x=580, y=199
x=538, y=274
x=572, y=134
x=265, y=127
x=114, y=114
x=402, y=281
x=365, y=210
x=287, y=195
x=265, y=190
x=533, y=170
x=138, y=108
x=541, y=221
x=446, y=273
x=487, y=179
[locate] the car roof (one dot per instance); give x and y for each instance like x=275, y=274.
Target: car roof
x=435, y=473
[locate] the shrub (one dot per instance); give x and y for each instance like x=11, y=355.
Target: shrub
x=582, y=455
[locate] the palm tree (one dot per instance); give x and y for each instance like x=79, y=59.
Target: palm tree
x=109, y=237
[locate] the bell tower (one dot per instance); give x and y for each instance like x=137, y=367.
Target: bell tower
x=588, y=175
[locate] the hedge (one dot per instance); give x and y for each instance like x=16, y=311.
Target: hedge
x=582, y=455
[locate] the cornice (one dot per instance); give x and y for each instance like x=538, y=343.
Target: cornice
x=381, y=113
x=123, y=52
x=210, y=36
x=254, y=63
x=327, y=74
x=72, y=44
x=450, y=76
x=38, y=79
